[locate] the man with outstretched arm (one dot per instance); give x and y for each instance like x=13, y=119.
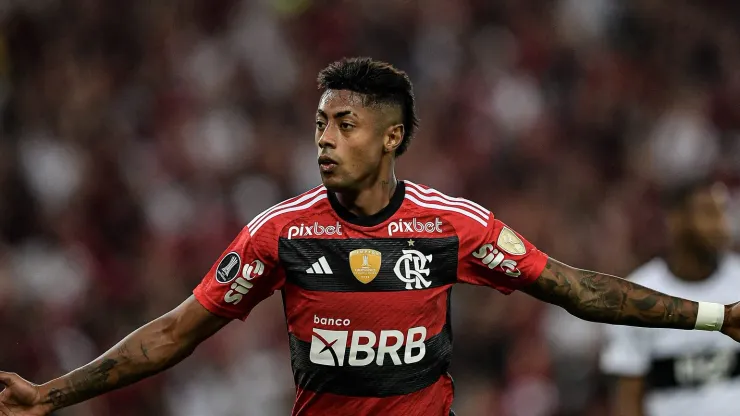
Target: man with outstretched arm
x=365, y=264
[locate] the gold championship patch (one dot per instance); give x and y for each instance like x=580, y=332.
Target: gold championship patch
x=365, y=264
x=510, y=242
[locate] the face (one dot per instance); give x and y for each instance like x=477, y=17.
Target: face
x=705, y=218
x=355, y=142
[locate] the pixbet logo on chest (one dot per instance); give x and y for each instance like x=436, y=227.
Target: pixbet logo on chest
x=415, y=226
x=314, y=230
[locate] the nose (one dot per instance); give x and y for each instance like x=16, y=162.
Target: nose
x=327, y=138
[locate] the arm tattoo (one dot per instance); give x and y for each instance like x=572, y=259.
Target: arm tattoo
x=90, y=380
x=144, y=351
x=609, y=299
x=118, y=368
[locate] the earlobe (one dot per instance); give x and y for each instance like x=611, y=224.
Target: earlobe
x=391, y=145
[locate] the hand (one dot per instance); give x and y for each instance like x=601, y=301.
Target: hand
x=731, y=324
x=20, y=397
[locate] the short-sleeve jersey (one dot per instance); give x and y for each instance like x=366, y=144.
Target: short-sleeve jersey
x=367, y=299
x=684, y=373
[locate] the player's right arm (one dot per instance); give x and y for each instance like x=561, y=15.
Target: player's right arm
x=243, y=276
x=149, y=350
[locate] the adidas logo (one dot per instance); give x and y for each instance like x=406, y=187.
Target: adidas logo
x=320, y=267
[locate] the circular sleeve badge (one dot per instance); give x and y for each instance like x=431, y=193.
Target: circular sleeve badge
x=228, y=268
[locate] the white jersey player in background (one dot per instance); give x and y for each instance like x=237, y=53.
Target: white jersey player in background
x=664, y=372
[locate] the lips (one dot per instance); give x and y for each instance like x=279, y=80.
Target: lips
x=326, y=160
x=327, y=164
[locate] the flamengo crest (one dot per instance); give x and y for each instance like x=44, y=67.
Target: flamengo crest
x=412, y=268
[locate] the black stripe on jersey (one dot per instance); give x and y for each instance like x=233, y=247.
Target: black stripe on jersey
x=372, y=380
x=298, y=255
x=693, y=371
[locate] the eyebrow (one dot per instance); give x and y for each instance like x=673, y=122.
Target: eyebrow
x=336, y=115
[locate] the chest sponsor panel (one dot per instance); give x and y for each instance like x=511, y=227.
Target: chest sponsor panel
x=352, y=363
x=692, y=371
x=370, y=265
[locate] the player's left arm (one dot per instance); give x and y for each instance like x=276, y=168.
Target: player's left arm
x=599, y=297
x=501, y=258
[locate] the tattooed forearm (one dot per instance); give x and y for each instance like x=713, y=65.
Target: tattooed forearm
x=117, y=368
x=144, y=351
x=154, y=347
x=87, y=382
x=140, y=355
x=609, y=299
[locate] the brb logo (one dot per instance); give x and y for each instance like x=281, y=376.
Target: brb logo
x=314, y=230
x=412, y=268
x=329, y=348
x=242, y=285
x=415, y=225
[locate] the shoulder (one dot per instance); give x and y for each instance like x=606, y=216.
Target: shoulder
x=275, y=218
x=460, y=212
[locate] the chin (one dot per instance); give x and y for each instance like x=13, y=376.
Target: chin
x=335, y=183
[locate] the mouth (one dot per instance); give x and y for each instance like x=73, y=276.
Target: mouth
x=327, y=164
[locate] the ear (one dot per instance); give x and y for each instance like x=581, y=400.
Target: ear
x=392, y=138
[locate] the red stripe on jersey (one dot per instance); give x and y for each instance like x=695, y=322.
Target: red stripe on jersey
x=434, y=400
x=431, y=199
x=436, y=195
x=425, y=204
x=370, y=311
x=286, y=209
x=291, y=202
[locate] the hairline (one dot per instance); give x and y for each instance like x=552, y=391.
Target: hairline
x=368, y=99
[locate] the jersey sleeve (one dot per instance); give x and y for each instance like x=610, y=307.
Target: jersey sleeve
x=245, y=274
x=626, y=351
x=498, y=257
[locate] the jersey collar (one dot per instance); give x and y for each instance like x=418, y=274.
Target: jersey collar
x=371, y=220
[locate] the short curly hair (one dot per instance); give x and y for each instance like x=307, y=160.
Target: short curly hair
x=380, y=83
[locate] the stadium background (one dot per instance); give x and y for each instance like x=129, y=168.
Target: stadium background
x=138, y=136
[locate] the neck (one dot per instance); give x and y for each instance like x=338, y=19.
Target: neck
x=370, y=199
x=690, y=263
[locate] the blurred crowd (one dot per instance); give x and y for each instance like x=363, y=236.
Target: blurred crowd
x=138, y=137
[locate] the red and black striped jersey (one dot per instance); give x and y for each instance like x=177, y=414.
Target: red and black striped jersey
x=367, y=299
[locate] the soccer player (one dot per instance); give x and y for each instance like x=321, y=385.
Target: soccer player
x=662, y=372
x=365, y=264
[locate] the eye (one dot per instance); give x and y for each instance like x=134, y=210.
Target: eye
x=320, y=124
x=346, y=126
